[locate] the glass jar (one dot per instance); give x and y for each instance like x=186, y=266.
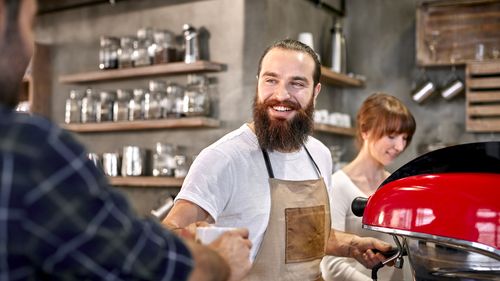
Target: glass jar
x=108, y=52
x=153, y=99
x=181, y=166
x=163, y=47
x=140, y=56
x=163, y=160
x=135, y=111
x=172, y=103
x=196, y=100
x=73, y=109
x=120, y=107
x=145, y=52
x=89, y=105
x=151, y=105
x=125, y=52
x=104, y=107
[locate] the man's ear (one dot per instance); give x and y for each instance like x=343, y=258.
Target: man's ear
x=316, y=91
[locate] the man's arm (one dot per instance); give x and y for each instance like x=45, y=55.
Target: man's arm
x=344, y=244
x=233, y=247
x=185, y=213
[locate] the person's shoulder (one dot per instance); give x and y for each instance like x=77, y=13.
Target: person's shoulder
x=235, y=142
x=317, y=146
x=339, y=175
x=33, y=130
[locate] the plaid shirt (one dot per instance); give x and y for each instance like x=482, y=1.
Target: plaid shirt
x=60, y=220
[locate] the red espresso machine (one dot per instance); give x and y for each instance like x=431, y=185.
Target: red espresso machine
x=443, y=211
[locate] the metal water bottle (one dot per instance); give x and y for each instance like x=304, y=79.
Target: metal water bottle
x=191, y=44
x=338, y=49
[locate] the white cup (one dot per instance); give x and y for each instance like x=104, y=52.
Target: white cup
x=306, y=38
x=207, y=234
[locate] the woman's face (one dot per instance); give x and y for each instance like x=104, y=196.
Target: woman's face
x=386, y=148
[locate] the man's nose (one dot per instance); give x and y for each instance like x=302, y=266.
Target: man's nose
x=281, y=92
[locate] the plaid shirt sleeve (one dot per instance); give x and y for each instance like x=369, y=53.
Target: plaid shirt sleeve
x=59, y=219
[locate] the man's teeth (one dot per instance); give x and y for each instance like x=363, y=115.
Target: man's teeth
x=281, y=108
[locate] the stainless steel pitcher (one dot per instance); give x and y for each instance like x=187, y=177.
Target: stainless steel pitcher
x=134, y=161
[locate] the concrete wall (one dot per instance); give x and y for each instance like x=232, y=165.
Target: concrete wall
x=381, y=45
x=380, y=37
x=74, y=36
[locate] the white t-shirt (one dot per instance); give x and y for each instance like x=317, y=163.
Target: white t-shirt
x=229, y=179
x=348, y=269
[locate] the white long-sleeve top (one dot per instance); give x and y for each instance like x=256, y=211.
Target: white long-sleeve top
x=348, y=269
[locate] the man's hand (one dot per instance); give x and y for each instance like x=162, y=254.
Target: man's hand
x=361, y=249
x=234, y=247
x=344, y=244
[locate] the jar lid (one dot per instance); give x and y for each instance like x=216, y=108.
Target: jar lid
x=76, y=93
x=138, y=92
x=107, y=95
x=157, y=86
x=127, y=41
x=145, y=33
x=165, y=148
x=123, y=94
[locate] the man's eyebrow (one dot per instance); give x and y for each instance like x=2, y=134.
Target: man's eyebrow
x=300, y=78
x=269, y=73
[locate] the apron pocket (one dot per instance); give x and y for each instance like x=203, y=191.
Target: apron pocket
x=305, y=233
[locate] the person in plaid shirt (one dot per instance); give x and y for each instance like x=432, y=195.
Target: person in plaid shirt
x=59, y=219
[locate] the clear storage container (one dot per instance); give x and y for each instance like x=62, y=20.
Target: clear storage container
x=120, y=107
x=73, y=109
x=108, y=52
x=104, y=106
x=89, y=105
x=135, y=111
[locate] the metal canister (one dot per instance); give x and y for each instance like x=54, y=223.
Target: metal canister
x=134, y=161
x=192, y=53
x=111, y=164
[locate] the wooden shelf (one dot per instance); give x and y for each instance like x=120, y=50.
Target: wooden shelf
x=146, y=181
x=339, y=79
x=449, y=31
x=325, y=128
x=483, y=97
x=144, y=71
x=188, y=122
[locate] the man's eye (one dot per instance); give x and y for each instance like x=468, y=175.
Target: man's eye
x=298, y=84
x=271, y=81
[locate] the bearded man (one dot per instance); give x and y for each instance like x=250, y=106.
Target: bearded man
x=272, y=177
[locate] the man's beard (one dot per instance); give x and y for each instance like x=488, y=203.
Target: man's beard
x=281, y=134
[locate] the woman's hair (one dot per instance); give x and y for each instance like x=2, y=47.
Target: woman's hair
x=381, y=115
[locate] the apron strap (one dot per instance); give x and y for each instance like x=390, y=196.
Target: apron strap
x=268, y=164
x=270, y=168
x=315, y=165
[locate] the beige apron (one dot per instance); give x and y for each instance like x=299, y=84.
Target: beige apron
x=297, y=232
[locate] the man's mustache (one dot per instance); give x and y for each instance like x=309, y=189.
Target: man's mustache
x=286, y=103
